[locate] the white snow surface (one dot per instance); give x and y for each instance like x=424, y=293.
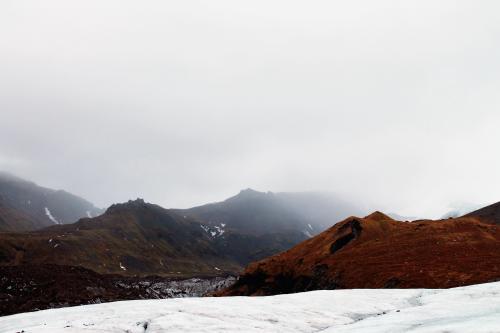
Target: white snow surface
x=49, y=215
x=467, y=309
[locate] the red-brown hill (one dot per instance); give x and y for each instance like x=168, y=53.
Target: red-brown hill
x=379, y=252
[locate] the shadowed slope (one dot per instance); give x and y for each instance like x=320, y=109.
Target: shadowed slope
x=12, y=219
x=488, y=214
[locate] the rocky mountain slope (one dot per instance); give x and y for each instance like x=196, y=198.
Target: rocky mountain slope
x=27, y=206
x=134, y=238
x=379, y=252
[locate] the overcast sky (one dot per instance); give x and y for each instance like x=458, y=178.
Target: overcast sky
x=394, y=104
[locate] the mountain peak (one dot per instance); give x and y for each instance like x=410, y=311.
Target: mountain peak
x=129, y=205
x=378, y=216
x=248, y=194
x=249, y=191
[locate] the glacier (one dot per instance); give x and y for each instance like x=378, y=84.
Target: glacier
x=465, y=309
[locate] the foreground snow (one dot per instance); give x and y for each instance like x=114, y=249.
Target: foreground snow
x=467, y=309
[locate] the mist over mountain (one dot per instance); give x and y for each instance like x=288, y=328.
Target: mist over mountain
x=253, y=225
x=398, y=217
x=458, y=209
x=261, y=213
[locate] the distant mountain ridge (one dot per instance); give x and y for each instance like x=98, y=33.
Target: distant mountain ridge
x=259, y=213
x=37, y=207
x=253, y=225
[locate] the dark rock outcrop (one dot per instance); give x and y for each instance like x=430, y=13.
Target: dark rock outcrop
x=36, y=287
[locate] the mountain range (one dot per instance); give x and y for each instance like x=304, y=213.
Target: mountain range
x=139, y=238
x=289, y=242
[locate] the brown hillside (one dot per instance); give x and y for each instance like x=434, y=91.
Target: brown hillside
x=378, y=252
x=135, y=238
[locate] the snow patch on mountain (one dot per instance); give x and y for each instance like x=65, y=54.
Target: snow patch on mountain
x=219, y=230
x=215, y=230
x=50, y=216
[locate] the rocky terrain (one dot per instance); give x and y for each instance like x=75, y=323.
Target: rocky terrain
x=36, y=287
x=379, y=252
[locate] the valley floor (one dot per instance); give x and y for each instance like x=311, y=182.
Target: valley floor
x=467, y=309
